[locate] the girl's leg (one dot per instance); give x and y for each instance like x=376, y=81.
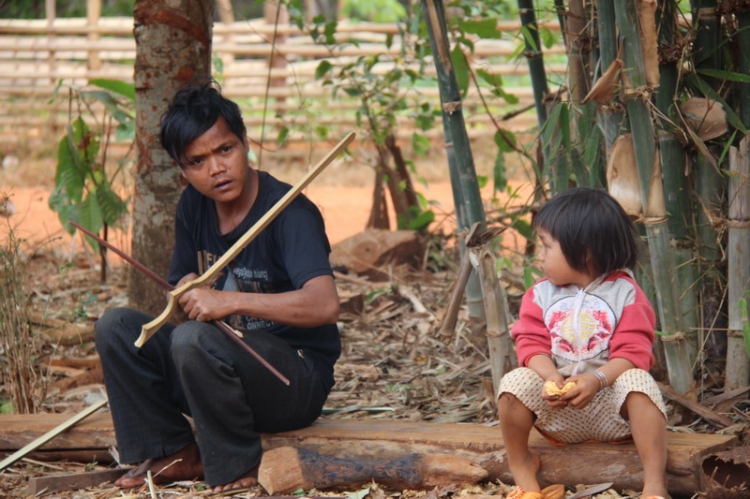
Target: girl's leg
x=650, y=435
x=516, y=421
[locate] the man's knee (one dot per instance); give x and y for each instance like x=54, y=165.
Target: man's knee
x=188, y=339
x=115, y=326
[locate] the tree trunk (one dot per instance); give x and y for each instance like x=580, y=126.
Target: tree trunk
x=172, y=47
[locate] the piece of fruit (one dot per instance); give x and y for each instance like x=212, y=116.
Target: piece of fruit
x=551, y=388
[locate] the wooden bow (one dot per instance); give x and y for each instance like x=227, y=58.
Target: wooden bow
x=149, y=329
x=225, y=328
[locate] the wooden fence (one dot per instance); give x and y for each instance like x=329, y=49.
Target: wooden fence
x=36, y=54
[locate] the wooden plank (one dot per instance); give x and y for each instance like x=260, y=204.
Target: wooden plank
x=57, y=483
x=376, y=438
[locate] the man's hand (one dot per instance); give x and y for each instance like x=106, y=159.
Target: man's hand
x=203, y=304
x=587, y=386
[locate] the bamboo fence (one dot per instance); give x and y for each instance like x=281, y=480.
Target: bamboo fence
x=35, y=55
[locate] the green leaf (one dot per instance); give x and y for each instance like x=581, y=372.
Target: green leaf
x=524, y=228
x=486, y=28
x=360, y=494
x=505, y=140
x=283, y=133
x=548, y=37
x=482, y=181
x=125, y=132
x=551, y=124
x=323, y=68
x=67, y=179
x=119, y=87
x=592, y=148
x=725, y=75
x=330, y=32
x=110, y=103
x=389, y=40
x=421, y=221
x=461, y=69
x=500, y=175
x=565, y=126
x=745, y=323
x=420, y=144
x=490, y=78
x=528, y=277
x=527, y=36
x=90, y=217
x=112, y=207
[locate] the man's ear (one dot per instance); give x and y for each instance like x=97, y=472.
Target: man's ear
x=183, y=179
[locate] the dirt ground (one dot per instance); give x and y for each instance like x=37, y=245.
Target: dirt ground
x=393, y=363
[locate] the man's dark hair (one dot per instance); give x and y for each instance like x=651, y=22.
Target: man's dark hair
x=194, y=109
x=594, y=232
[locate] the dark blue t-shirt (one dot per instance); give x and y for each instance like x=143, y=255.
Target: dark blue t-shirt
x=289, y=252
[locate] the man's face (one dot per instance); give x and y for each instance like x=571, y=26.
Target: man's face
x=216, y=164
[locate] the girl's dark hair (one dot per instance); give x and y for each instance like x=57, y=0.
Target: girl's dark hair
x=594, y=232
x=194, y=109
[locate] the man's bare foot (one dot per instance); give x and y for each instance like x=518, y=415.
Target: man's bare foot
x=524, y=472
x=249, y=479
x=184, y=464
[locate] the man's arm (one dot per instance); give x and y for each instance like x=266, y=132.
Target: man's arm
x=315, y=304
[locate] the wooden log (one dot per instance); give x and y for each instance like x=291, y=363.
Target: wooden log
x=58, y=483
x=286, y=469
x=381, y=439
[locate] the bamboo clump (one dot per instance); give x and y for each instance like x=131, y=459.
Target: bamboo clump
x=738, y=249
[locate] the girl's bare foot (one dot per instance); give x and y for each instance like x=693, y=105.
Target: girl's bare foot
x=524, y=472
x=249, y=479
x=184, y=464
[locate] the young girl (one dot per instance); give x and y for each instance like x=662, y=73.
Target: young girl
x=586, y=327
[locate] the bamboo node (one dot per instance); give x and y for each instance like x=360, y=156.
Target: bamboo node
x=738, y=224
x=654, y=220
x=674, y=337
x=643, y=92
x=452, y=107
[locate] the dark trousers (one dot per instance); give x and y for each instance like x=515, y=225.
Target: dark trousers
x=194, y=369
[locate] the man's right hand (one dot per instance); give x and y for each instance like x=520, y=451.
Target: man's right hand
x=180, y=315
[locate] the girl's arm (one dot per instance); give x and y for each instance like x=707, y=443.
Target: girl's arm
x=588, y=385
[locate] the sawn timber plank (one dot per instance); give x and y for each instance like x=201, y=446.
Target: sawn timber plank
x=378, y=438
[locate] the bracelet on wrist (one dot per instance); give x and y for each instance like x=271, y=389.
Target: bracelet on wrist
x=603, y=382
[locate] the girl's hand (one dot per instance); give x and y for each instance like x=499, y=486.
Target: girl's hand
x=587, y=386
x=555, y=401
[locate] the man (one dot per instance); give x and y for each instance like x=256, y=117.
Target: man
x=279, y=291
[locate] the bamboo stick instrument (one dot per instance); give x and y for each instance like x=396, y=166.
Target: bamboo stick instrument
x=149, y=329
x=222, y=326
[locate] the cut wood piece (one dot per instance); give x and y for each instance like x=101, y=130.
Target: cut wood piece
x=712, y=417
x=58, y=483
x=285, y=469
x=375, y=252
x=51, y=434
x=90, y=377
x=383, y=439
x=61, y=332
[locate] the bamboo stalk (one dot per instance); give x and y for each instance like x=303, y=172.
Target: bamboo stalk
x=677, y=190
x=460, y=162
x=496, y=305
x=652, y=197
x=743, y=66
x=738, y=249
x=533, y=54
x=610, y=120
